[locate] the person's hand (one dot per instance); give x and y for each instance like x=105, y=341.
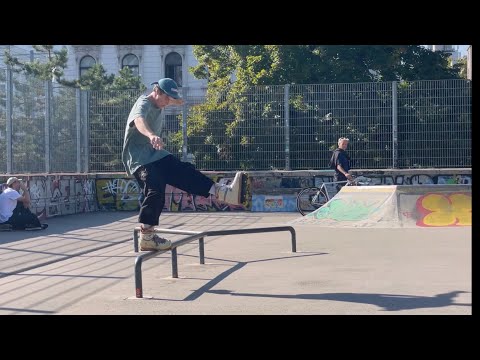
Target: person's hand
x=156, y=142
x=349, y=177
x=23, y=186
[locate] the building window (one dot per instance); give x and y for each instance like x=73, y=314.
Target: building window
x=131, y=61
x=173, y=67
x=85, y=64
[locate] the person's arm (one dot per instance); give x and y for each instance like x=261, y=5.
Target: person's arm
x=25, y=198
x=342, y=162
x=144, y=129
x=342, y=170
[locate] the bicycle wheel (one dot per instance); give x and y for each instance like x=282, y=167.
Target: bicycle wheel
x=310, y=199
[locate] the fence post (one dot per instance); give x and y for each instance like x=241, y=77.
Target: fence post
x=78, y=129
x=184, y=124
x=48, y=104
x=84, y=99
x=9, y=113
x=394, y=125
x=287, y=127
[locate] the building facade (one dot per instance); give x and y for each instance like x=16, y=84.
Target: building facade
x=454, y=52
x=150, y=62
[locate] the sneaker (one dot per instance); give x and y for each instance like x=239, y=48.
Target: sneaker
x=231, y=194
x=5, y=227
x=149, y=241
x=31, y=227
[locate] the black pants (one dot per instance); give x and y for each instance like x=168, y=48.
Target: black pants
x=341, y=177
x=154, y=177
x=22, y=217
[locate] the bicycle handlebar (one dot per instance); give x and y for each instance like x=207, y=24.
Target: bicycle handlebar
x=355, y=181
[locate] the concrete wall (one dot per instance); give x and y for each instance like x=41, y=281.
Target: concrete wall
x=62, y=194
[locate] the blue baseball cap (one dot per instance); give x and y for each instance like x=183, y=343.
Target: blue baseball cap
x=169, y=86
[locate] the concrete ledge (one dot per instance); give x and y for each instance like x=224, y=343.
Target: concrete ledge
x=272, y=191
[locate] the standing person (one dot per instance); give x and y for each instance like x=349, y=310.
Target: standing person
x=153, y=167
x=14, y=208
x=340, y=162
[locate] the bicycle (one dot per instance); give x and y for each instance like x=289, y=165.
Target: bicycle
x=311, y=198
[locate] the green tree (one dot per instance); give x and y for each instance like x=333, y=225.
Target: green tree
x=52, y=68
x=255, y=127
x=461, y=67
x=435, y=124
x=110, y=98
x=312, y=64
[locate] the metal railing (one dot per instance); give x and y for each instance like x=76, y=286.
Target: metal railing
x=193, y=235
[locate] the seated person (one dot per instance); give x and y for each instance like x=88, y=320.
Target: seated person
x=14, y=208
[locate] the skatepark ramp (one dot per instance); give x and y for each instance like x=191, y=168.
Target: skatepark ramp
x=395, y=206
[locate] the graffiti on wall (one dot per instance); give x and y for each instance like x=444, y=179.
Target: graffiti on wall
x=85, y=195
x=418, y=179
x=124, y=194
x=118, y=194
x=38, y=190
x=54, y=195
x=178, y=200
x=274, y=203
x=68, y=195
x=444, y=210
x=272, y=184
x=347, y=210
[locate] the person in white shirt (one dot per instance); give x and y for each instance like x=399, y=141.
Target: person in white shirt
x=14, y=208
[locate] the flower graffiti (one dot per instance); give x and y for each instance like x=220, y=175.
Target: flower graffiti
x=445, y=210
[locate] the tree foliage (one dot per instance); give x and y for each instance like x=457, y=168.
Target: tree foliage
x=313, y=64
x=52, y=68
x=461, y=67
x=110, y=97
x=241, y=88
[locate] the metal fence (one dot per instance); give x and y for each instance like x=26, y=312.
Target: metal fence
x=38, y=125
x=50, y=128
x=320, y=114
x=293, y=127
x=3, y=121
x=105, y=119
x=434, y=124
x=247, y=136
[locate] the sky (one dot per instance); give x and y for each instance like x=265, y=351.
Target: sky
x=463, y=49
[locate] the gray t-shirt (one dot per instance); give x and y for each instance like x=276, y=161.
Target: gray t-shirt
x=137, y=150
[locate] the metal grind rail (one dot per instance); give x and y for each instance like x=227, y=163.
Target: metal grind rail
x=193, y=235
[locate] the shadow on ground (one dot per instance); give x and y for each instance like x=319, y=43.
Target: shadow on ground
x=66, y=223
x=387, y=302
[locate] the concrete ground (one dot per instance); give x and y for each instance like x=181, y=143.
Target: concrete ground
x=84, y=264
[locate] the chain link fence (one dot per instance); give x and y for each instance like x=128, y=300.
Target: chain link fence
x=63, y=129
x=321, y=114
x=29, y=128
x=3, y=121
x=435, y=124
x=250, y=135
x=50, y=128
